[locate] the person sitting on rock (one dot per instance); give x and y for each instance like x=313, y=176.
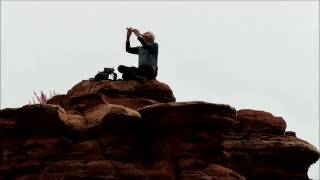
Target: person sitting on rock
x=148, y=57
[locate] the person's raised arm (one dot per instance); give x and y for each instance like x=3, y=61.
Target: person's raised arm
x=152, y=47
x=129, y=49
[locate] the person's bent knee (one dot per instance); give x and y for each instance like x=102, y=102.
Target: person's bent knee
x=122, y=68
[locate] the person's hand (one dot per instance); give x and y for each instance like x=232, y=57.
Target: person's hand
x=136, y=32
x=129, y=32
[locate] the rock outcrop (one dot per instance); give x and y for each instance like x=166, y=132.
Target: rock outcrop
x=129, y=130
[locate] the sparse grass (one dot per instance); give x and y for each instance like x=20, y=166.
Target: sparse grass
x=41, y=98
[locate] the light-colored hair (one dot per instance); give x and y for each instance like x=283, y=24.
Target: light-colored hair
x=151, y=35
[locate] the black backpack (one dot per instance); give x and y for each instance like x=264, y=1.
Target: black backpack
x=104, y=75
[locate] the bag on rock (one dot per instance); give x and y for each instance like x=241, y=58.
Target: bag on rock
x=104, y=75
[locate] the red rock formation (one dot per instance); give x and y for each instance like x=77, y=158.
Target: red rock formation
x=129, y=130
x=153, y=89
x=256, y=121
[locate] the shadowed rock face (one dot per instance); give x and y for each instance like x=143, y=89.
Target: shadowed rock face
x=129, y=130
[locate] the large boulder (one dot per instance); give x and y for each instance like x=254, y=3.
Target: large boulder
x=53, y=118
x=112, y=117
x=257, y=121
x=153, y=89
x=131, y=94
x=189, y=114
x=38, y=117
x=270, y=156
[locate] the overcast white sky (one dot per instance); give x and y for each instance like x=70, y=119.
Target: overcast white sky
x=260, y=55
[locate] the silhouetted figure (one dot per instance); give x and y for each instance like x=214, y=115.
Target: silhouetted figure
x=148, y=57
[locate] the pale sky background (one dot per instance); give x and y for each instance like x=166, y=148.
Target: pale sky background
x=260, y=55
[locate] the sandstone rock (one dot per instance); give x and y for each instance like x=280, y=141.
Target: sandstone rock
x=191, y=175
x=290, y=133
x=218, y=172
x=118, y=111
x=32, y=141
x=65, y=166
x=255, y=154
x=189, y=114
x=111, y=117
x=45, y=151
x=76, y=122
x=34, y=118
x=186, y=144
x=8, y=171
x=83, y=102
x=7, y=126
x=153, y=89
x=94, y=115
x=106, y=169
x=212, y=172
x=101, y=167
x=78, y=103
x=8, y=113
x=86, y=101
x=132, y=103
x=39, y=117
x=61, y=100
x=40, y=148
x=191, y=164
x=288, y=147
x=123, y=146
x=85, y=150
x=158, y=171
x=257, y=121
x=129, y=130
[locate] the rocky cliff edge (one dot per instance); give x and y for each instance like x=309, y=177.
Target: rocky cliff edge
x=129, y=130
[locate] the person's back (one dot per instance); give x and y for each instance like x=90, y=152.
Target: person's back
x=148, y=57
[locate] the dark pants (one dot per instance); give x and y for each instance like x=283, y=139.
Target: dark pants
x=134, y=73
